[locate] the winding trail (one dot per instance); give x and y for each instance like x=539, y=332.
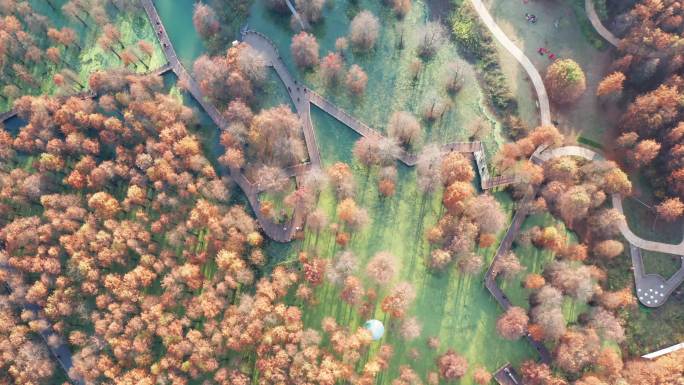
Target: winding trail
x=578, y=151
x=535, y=77
x=598, y=25
x=652, y=289
x=303, y=97
x=279, y=232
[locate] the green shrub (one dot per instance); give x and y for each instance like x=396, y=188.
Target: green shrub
x=475, y=41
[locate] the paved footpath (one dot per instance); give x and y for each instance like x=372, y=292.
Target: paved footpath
x=532, y=73
x=598, y=25
x=582, y=152
x=652, y=289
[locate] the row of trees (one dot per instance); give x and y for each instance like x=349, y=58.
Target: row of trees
x=646, y=76
x=575, y=190
x=35, y=54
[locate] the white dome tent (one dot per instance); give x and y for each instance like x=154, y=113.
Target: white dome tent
x=376, y=329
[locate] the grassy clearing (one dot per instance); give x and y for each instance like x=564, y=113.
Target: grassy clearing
x=177, y=18
x=643, y=223
x=454, y=307
x=561, y=29
x=652, y=329
x=390, y=85
x=660, y=263
x=585, y=25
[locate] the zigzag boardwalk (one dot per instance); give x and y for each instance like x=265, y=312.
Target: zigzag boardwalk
x=504, y=247
x=298, y=92
x=277, y=232
x=365, y=130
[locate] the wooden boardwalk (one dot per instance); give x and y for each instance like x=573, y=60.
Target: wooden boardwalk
x=506, y=375
x=276, y=231
x=298, y=92
x=503, y=249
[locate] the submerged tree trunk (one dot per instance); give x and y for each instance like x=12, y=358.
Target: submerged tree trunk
x=114, y=52
x=140, y=60
x=82, y=21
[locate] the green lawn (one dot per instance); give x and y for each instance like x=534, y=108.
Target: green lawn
x=562, y=28
x=659, y=263
x=643, y=223
x=454, y=307
x=390, y=86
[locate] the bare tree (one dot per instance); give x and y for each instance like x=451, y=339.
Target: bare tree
x=364, y=30
x=304, y=49
x=404, y=127
x=312, y=10
x=431, y=37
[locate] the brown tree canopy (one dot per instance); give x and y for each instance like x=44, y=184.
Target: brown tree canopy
x=304, y=49
x=275, y=137
x=670, y=209
x=611, y=84
x=451, y=365
x=513, y=323
x=404, y=127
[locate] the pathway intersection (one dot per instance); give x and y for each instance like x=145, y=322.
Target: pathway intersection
x=581, y=152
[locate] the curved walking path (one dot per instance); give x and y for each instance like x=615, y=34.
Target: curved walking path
x=582, y=152
x=660, y=247
x=532, y=73
x=598, y=25
x=303, y=97
x=504, y=247
x=279, y=232
x=653, y=289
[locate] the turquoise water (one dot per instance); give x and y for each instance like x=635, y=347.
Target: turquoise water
x=177, y=18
